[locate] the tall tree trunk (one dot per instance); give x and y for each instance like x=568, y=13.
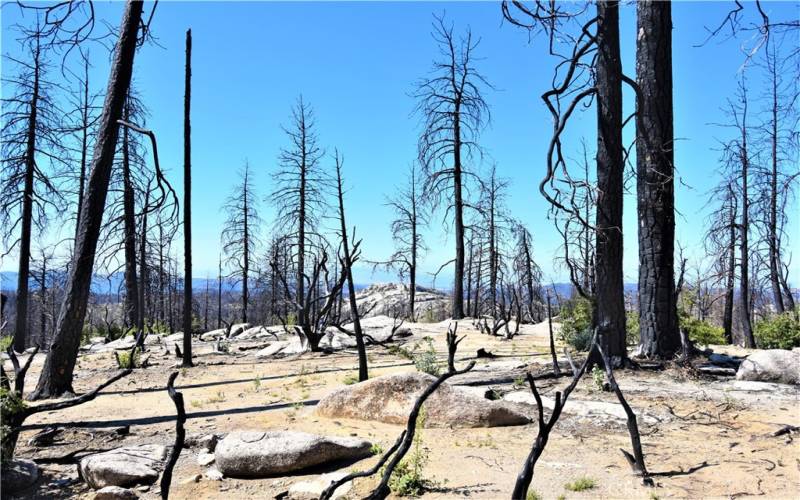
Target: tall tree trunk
x=458, y=285
x=412, y=269
x=187, y=207
x=143, y=268
x=348, y=264
x=43, y=297
x=21, y=325
x=744, y=228
x=773, y=245
x=730, y=280
x=219, y=294
x=132, y=303
x=56, y=375
x=610, y=295
x=658, y=316
x=246, y=250
x=84, y=142
x=493, y=260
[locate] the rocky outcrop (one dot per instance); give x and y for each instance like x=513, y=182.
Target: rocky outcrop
x=312, y=489
x=267, y=453
x=390, y=399
x=391, y=299
x=773, y=365
x=125, y=466
x=115, y=493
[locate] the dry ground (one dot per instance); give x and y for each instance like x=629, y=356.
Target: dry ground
x=701, y=420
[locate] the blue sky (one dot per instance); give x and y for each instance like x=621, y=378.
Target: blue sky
x=356, y=64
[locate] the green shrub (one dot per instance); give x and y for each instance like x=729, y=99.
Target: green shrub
x=350, y=379
x=425, y=361
x=632, y=327
x=699, y=331
x=581, y=484
x=5, y=342
x=576, y=323
x=124, y=359
x=10, y=404
x=778, y=332
x=533, y=495
x=407, y=477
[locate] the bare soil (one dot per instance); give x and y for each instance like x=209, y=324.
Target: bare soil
x=686, y=420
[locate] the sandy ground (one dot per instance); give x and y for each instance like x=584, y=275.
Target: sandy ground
x=691, y=420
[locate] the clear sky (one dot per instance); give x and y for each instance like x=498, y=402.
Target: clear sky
x=356, y=64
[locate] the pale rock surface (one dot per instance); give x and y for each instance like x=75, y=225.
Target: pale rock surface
x=124, y=466
x=773, y=365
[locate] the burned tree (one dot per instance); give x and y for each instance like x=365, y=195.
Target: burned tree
x=410, y=217
x=721, y=242
x=187, y=211
x=655, y=171
x=349, y=256
x=56, y=376
x=300, y=201
x=32, y=154
x=453, y=112
x=240, y=233
x=528, y=274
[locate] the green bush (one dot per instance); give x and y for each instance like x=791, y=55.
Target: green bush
x=5, y=342
x=124, y=359
x=699, y=331
x=407, y=477
x=581, y=484
x=632, y=327
x=10, y=404
x=778, y=332
x=576, y=323
x=425, y=361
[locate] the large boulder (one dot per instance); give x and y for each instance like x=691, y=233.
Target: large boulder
x=773, y=365
x=115, y=493
x=268, y=453
x=213, y=335
x=388, y=299
x=125, y=466
x=18, y=474
x=390, y=399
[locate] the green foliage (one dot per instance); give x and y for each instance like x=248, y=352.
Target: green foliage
x=5, y=342
x=350, y=379
x=10, y=404
x=425, y=361
x=124, y=359
x=778, y=332
x=407, y=477
x=576, y=323
x=632, y=327
x=291, y=319
x=598, y=377
x=699, y=331
x=376, y=449
x=533, y=495
x=581, y=484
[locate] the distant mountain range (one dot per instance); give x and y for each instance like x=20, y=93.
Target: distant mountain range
x=8, y=283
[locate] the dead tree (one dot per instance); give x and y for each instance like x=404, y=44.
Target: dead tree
x=529, y=275
x=31, y=139
x=556, y=368
x=56, y=376
x=410, y=217
x=453, y=111
x=347, y=260
x=658, y=314
x=180, y=432
x=721, y=242
x=187, y=213
x=240, y=233
x=452, y=346
x=300, y=201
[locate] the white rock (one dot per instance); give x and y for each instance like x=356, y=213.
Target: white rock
x=124, y=466
x=312, y=489
x=773, y=365
x=205, y=458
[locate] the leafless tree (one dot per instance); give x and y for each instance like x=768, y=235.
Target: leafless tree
x=187, y=217
x=33, y=153
x=453, y=111
x=240, y=234
x=410, y=217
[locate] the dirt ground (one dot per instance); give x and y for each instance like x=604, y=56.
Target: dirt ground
x=686, y=420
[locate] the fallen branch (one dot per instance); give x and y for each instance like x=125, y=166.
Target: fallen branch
x=180, y=435
x=452, y=346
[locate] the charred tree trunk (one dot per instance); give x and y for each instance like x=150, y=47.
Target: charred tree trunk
x=458, y=285
x=84, y=142
x=347, y=262
x=187, y=207
x=56, y=376
x=610, y=295
x=658, y=317
x=744, y=229
x=219, y=295
x=730, y=279
x=21, y=325
x=132, y=303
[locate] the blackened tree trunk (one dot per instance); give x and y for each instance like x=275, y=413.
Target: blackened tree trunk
x=610, y=295
x=21, y=325
x=658, y=316
x=187, y=207
x=143, y=280
x=246, y=255
x=730, y=278
x=85, y=124
x=219, y=294
x=458, y=204
x=56, y=375
x=347, y=262
x=132, y=304
x=744, y=229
